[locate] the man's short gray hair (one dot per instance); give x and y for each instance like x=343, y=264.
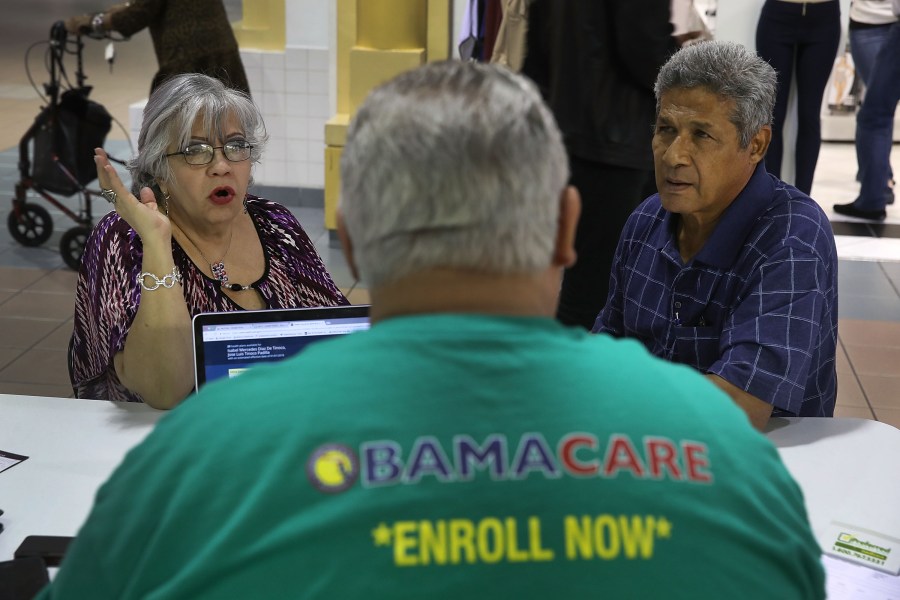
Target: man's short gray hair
x=728, y=70
x=456, y=165
x=169, y=117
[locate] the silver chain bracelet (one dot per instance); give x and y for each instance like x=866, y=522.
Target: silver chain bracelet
x=166, y=281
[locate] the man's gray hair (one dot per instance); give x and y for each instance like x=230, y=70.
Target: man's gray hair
x=169, y=117
x=728, y=70
x=457, y=165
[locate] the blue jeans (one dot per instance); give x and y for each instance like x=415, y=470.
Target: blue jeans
x=864, y=46
x=875, y=125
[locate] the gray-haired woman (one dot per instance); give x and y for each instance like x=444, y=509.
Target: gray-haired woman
x=186, y=239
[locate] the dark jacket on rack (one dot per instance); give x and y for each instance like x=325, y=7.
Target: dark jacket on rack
x=595, y=62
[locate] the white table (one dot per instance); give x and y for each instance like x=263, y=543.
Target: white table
x=847, y=468
x=848, y=471
x=73, y=446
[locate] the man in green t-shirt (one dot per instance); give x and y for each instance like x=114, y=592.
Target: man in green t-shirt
x=467, y=445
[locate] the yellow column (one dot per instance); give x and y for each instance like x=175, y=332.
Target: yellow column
x=376, y=40
x=391, y=24
x=262, y=26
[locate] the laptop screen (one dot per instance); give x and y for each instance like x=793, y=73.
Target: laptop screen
x=228, y=343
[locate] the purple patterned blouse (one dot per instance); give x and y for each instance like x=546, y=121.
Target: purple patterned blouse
x=108, y=295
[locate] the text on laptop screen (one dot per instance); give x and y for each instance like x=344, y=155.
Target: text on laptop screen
x=230, y=349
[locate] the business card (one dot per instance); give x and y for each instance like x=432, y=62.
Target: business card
x=863, y=546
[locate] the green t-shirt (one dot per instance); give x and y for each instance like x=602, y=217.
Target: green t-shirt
x=457, y=457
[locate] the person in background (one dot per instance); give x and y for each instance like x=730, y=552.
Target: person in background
x=187, y=239
x=189, y=36
x=800, y=39
x=728, y=269
x=595, y=62
x=468, y=445
x=875, y=119
x=870, y=25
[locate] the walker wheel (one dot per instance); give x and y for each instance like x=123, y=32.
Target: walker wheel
x=71, y=245
x=32, y=226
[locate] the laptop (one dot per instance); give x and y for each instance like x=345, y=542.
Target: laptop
x=228, y=343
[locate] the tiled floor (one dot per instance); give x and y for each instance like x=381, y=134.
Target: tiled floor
x=36, y=288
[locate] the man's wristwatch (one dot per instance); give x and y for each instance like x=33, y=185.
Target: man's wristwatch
x=97, y=24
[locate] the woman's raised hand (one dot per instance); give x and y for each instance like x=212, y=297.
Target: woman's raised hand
x=144, y=214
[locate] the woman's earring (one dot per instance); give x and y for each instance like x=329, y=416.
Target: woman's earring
x=166, y=203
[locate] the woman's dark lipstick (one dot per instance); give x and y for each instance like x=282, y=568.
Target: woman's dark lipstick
x=222, y=195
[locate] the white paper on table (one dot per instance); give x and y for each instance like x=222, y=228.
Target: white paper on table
x=850, y=581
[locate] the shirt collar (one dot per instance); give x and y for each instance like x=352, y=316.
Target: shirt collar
x=727, y=239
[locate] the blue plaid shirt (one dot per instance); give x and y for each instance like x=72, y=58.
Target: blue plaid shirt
x=757, y=305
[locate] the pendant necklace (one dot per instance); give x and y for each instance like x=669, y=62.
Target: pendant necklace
x=218, y=267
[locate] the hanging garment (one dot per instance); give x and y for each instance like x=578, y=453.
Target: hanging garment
x=468, y=36
x=493, y=14
x=511, y=44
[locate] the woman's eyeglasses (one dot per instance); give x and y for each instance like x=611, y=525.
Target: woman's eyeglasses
x=202, y=154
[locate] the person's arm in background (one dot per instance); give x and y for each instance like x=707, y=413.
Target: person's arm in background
x=688, y=23
x=611, y=319
x=126, y=18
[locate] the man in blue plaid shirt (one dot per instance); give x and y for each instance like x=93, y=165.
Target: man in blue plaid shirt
x=728, y=269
